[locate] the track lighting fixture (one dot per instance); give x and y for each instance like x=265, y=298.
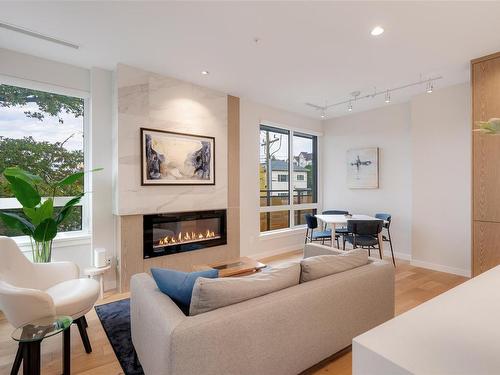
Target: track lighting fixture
x=356, y=95
x=387, y=96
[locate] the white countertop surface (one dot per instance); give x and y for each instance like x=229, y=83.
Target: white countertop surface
x=457, y=332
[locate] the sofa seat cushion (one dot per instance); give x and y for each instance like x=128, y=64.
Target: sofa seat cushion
x=74, y=297
x=211, y=294
x=178, y=285
x=324, y=265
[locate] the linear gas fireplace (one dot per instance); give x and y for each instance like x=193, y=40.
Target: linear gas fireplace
x=183, y=231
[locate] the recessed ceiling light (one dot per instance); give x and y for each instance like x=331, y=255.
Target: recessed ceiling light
x=377, y=30
x=205, y=72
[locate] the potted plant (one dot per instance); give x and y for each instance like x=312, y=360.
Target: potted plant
x=40, y=221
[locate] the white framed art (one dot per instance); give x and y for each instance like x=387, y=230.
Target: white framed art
x=362, y=168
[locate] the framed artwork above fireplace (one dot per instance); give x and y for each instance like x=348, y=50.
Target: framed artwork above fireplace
x=169, y=158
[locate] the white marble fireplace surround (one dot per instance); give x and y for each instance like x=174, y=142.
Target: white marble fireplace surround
x=150, y=100
x=154, y=101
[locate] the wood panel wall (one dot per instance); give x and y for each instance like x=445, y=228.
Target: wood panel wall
x=485, y=79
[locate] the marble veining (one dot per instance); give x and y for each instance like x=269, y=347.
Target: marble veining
x=154, y=101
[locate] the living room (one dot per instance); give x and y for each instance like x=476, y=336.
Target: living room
x=231, y=177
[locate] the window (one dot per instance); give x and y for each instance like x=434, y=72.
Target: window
x=42, y=132
x=283, y=153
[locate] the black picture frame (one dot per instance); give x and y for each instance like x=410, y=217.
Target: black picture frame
x=172, y=182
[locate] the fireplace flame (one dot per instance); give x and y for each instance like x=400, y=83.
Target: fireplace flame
x=186, y=237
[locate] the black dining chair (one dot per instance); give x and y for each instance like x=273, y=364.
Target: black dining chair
x=340, y=230
x=322, y=235
x=335, y=212
x=387, y=223
x=364, y=234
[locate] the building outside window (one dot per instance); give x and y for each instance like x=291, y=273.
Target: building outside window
x=43, y=133
x=283, y=153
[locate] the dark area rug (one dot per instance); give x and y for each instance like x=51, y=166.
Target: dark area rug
x=115, y=318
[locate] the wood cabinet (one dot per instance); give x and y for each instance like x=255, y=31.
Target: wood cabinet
x=485, y=81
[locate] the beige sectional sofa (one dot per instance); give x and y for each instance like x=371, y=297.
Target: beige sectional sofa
x=284, y=332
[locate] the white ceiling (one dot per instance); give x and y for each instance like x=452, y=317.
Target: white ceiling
x=308, y=51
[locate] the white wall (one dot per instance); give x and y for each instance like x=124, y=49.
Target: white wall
x=23, y=66
x=102, y=193
x=389, y=129
x=425, y=174
x=441, y=154
x=252, y=114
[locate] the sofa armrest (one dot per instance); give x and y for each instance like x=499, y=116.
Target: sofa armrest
x=153, y=317
x=313, y=250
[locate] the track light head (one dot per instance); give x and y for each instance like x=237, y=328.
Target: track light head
x=430, y=87
x=387, y=97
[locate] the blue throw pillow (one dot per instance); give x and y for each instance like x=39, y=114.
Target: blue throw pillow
x=179, y=285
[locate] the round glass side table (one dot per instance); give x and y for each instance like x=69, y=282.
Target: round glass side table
x=30, y=337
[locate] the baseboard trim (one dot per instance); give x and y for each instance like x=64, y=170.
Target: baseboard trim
x=402, y=256
x=440, y=268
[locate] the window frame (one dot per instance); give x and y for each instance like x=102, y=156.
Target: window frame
x=83, y=235
x=291, y=207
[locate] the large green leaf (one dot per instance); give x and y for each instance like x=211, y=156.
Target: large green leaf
x=23, y=175
x=68, y=208
x=72, y=178
x=45, y=231
x=24, y=192
x=38, y=214
x=17, y=222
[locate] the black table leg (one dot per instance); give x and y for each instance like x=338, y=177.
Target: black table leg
x=31, y=358
x=67, y=351
x=17, y=362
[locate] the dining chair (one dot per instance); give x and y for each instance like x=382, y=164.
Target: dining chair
x=387, y=223
x=364, y=234
x=340, y=230
x=31, y=291
x=312, y=235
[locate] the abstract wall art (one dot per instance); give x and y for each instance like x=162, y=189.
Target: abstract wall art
x=362, y=168
x=170, y=158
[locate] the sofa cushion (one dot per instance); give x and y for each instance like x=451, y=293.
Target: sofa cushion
x=210, y=294
x=323, y=265
x=179, y=285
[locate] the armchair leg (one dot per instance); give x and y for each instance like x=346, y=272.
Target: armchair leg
x=83, y=333
x=380, y=250
x=85, y=324
x=17, y=362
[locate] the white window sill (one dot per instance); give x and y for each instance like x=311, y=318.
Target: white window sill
x=65, y=239
x=282, y=232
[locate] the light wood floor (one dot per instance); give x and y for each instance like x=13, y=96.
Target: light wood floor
x=413, y=287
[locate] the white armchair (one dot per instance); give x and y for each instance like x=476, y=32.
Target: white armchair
x=30, y=291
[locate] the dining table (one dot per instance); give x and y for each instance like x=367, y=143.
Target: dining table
x=334, y=221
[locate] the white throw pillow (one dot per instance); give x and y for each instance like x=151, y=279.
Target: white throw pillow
x=323, y=265
x=210, y=294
